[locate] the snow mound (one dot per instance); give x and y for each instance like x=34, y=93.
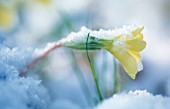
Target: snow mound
x=135, y=100
x=19, y=92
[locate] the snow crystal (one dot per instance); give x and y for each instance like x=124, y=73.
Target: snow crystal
x=135, y=100
x=126, y=30
x=13, y=95
x=120, y=45
x=38, y=52
x=19, y=92
x=23, y=93
x=12, y=61
x=37, y=94
x=7, y=71
x=15, y=57
x=117, y=36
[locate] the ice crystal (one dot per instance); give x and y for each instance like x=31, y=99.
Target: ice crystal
x=19, y=92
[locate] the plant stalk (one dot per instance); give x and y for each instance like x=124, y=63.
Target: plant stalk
x=41, y=56
x=93, y=72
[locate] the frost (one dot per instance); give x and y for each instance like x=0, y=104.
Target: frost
x=22, y=93
x=110, y=34
x=13, y=61
x=19, y=92
x=102, y=38
x=7, y=71
x=15, y=57
x=38, y=52
x=13, y=95
x=135, y=100
x=37, y=94
x=120, y=45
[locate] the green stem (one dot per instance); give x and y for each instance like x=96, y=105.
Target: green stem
x=116, y=87
x=82, y=81
x=93, y=71
x=79, y=74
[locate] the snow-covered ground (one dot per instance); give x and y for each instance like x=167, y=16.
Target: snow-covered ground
x=139, y=99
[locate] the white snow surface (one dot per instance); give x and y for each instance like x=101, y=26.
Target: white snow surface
x=139, y=99
x=19, y=92
x=110, y=34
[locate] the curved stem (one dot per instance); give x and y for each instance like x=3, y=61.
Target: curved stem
x=45, y=52
x=93, y=71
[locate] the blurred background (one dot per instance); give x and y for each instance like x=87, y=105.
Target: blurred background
x=65, y=72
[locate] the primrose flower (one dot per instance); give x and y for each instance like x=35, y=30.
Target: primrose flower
x=124, y=44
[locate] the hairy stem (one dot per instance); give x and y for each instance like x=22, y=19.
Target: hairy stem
x=41, y=56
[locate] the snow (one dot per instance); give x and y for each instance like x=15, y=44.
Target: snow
x=7, y=71
x=110, y=34
x=22, y=93
x=15, y=57
x=140, y=66
x=117, y=37
x=140, y=99
x=19, y=92
x=38, y=52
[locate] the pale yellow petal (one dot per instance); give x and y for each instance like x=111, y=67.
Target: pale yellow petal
x=127, y=61
x=137, y=31
x=136, y=55
x=136, y=44
x=140, y=36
